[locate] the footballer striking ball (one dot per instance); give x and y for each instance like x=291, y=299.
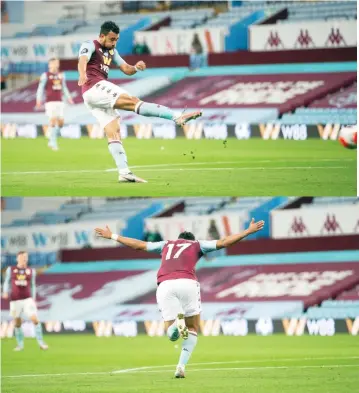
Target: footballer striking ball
x=348, y=137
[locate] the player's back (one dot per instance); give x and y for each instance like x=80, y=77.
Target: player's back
x=179, y=258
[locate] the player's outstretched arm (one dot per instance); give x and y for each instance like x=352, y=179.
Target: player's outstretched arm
x=127, y=241
x=66, y=91
x=131, y=70
x=6, y=284
x=127, y=68
x=233, y=239
x=85, y=53
x=33, y=284
x=82, y=67
x=40, y=90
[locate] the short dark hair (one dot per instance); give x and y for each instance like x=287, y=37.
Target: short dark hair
x=21, y=252
x=186, y=235
x=108, y=26
x=53, y=59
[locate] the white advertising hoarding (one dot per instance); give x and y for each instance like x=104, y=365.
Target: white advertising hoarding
x=204, y=227
x=303, y=35
x=179, y=41
x=316, y=221
x=58, y=309
x=56, y=237
x=41, y=49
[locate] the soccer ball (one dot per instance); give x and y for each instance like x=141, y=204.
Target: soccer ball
x=348, y=137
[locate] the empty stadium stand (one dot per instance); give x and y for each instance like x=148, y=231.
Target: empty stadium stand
x=342, y=99
x=315, y=116
x=314, y=10
x=334, y=200
x=337, y=309
x=350, y=296
x=72, y=17
x=80, y=211
x=198, y=206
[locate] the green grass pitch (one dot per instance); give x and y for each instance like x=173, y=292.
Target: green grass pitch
x=251, y=364
x=179, y=167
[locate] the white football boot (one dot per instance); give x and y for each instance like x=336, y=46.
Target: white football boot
x=54, y=148
x=44, y=347
x=179, y=373
x=186, y=117
x=130, y=178
x=18, y=348
x=181, y=326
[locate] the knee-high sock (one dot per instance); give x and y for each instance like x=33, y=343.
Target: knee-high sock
x=119, y=155
x=19, y=335
x=187, y=348
x=38, y=333
x=53, y=136
x=172, y=332
x=155, y=110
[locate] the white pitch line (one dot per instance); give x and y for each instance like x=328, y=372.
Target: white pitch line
x=150, y=169
x=142, y=370
x=123, y=371
x=242, y=161
x=259, y=368
x=279, y=360
x=243, y=168
x=138, y=369
x=54, y=375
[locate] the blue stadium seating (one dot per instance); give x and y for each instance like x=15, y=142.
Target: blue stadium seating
x=321, y=115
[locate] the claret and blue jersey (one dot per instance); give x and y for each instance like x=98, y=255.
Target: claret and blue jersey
x=99, y=62
x=179, y=257
x=88, y=48
x=53, y=87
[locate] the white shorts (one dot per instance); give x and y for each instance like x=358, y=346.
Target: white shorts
x=26, y=306
x=55, y=109
x=181, y=296
x=101, y=98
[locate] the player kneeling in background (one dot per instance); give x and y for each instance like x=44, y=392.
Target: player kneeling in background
x=20, y=285
x=54, y=84
x=178, y=292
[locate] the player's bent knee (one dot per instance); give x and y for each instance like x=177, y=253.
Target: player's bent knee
x=53, y=122
x=193, y=323
x=60, y=122
x=169, y=323
x=126, y=102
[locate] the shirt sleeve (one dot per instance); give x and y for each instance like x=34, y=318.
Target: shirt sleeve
x=65, y=90
x=118, y=59
x=208, y=245
x=155, y=246
x=87, y=49
x=6, y=285
x=41, y=87
x=33, y=284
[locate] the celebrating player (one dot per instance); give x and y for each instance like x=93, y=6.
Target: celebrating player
x=178, y=291
x=54, y=84
x=20, y=285
x=103, y=97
